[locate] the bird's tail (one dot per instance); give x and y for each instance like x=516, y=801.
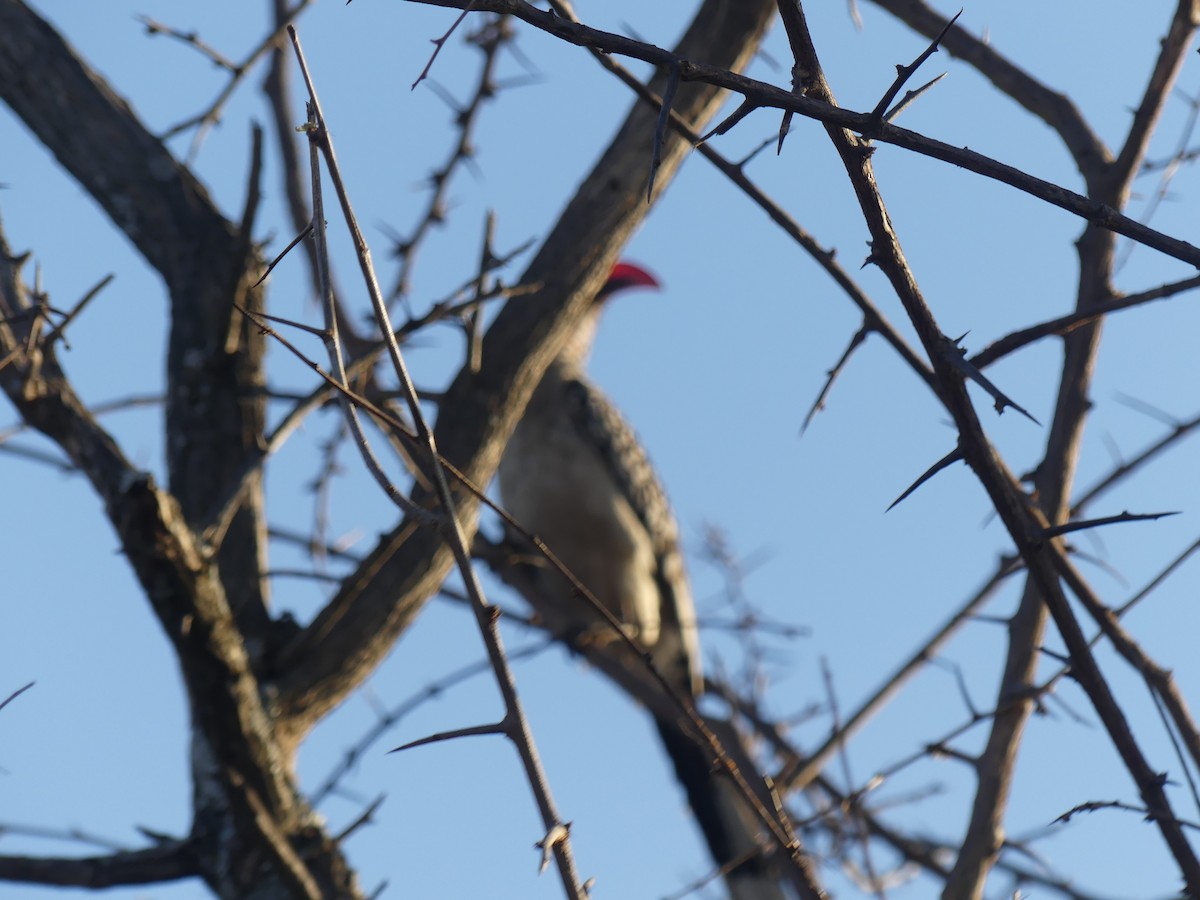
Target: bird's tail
x=729, y=825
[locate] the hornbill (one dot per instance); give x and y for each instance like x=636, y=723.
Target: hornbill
x=575, y=475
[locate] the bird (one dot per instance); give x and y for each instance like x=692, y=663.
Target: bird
x=575, y=474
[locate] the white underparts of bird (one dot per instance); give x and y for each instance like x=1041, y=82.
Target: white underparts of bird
x=575, y=474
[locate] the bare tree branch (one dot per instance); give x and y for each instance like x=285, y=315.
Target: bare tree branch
x=479, y=410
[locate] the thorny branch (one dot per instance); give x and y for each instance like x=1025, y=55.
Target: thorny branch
x=514, y=725
x=1020, y=517
x=760, y=94
x=1023, y=521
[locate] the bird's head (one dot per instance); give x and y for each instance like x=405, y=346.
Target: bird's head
x=624, y=276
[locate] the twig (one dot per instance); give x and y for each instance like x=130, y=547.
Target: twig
x=903, y=73
x=1064, y=324
x=494, y=35
x=237, y=72
x=517, y=727
x=955, y=355
x=389, y=718
x=190, y=38
x=832, y=374
x=1068, y=527
x=15, y=694
x=439, y=43
x=909, y=98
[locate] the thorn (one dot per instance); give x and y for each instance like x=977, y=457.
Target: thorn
x=554, y=836
x=953, y=456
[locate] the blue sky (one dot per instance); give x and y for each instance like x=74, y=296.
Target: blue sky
x=716, y=373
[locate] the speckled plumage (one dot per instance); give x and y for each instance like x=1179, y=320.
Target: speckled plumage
x=575, y=474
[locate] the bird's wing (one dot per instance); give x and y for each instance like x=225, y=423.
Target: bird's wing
x=612, y=438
